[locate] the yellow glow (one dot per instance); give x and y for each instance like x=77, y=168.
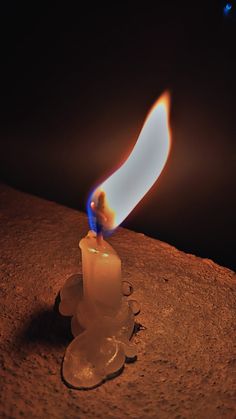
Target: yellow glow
x=127, y=186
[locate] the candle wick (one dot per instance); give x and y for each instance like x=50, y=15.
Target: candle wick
x=99, y=238
x=99, y=211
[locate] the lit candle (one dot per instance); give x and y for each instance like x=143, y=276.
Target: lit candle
x=99, y=309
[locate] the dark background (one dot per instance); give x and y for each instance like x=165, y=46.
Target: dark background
x=76, y=85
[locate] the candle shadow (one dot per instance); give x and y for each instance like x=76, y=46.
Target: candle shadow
x=47, y=326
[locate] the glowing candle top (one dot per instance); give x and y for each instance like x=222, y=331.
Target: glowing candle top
x=112, y=201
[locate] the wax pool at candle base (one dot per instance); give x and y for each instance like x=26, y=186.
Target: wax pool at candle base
x=102, y=317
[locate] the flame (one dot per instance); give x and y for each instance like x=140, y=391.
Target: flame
x=113, y=200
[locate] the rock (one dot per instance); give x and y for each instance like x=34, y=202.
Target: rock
x=186, y=356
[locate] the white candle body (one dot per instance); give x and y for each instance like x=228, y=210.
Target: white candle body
x=101, y=275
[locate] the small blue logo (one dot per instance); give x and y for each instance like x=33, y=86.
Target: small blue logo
x=227, y=9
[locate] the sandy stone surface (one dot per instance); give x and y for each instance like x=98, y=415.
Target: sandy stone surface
x=186, y=351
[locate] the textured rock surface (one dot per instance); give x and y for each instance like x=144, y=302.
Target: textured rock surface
x=186, y=353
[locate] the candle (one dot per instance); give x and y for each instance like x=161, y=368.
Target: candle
x=102, y=317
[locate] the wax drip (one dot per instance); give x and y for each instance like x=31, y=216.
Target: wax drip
x=101, y=344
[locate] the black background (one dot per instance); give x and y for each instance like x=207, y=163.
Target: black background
x=76, y=85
